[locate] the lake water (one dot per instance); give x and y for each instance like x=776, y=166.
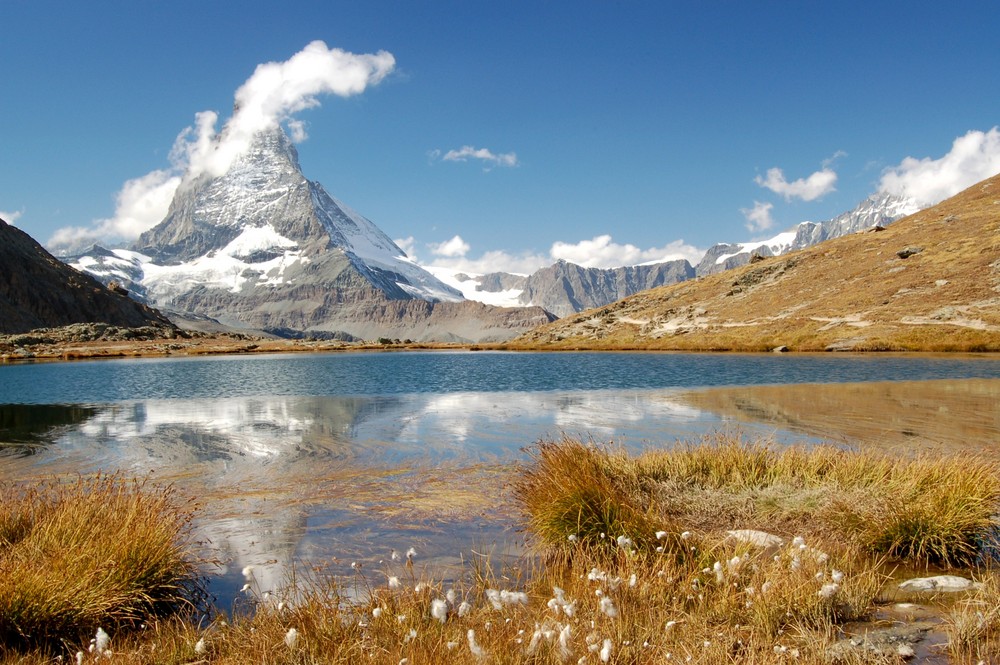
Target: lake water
x=338, y=458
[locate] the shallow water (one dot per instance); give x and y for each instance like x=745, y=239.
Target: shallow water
x=332, y=459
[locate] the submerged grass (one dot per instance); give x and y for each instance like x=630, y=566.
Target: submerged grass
x=103, y=551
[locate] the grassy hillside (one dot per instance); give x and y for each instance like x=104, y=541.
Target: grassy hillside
x=929, y=282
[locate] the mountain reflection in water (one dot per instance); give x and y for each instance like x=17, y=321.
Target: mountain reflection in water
x=331, y=480
x=336, y=479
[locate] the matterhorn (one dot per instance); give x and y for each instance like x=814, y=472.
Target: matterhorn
x=262, y=247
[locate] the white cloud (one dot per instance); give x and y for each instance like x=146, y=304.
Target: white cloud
x=408, y=245
x=759, y=217
x=451, y=248
x=598, y=252
x=12, y=216
x=972, y=158
x=271, y=96
x=815, y=186
x=602, y=252
x=467, y=152
x=494, y=261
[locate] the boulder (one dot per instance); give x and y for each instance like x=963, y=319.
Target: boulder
x=763, y=540
x=938, y=584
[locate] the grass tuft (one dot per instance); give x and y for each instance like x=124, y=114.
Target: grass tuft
x=924, y=511
x=103, y=552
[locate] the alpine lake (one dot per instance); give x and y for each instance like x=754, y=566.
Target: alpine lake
x=337, y=460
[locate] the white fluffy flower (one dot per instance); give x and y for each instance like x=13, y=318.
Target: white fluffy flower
x=291, y=638
x=474, y=647
x=829, y=590
x=101, y=641
x=606, y=651
x=439, y=609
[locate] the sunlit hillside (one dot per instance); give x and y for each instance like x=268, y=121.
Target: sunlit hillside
x=929, y=282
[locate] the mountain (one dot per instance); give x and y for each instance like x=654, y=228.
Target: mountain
x=566, y=288
x=263, y=247
x=879, y=209
x=37, y=290
x=930, y=281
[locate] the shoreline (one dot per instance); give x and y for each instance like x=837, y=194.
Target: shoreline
x=200, y=344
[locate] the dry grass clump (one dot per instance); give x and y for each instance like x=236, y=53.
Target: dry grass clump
x=101, y=552
x=623, y=607
x=924, y=511
x=973, y=625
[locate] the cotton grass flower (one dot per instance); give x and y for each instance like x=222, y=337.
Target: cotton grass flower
x=200, y=648
x=291, y=638
x=101, y=641
x=464, y=609
x=394, y=582
x=474, y=647
x=606, y=651
x=607, y=607
x=828, y=590
x=439, y=610
x=564, y=637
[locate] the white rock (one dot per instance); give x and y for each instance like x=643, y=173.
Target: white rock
x=939, y=584
x=768, y=542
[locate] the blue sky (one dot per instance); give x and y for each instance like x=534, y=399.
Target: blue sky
x=529, y=130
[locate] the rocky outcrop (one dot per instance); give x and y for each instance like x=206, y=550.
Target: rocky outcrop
x=37, y=290
x=566, y=288
x=878, y=210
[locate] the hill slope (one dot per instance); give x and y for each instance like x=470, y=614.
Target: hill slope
x=37, y=290
x=931, y=281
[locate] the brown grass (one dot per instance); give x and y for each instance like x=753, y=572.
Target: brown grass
x=851, y=293
x=101, y=552
x=923, y=511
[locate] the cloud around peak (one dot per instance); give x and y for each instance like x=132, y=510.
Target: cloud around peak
x=272, y=95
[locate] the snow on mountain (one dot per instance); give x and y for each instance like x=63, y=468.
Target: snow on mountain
x=880, y=208
x=471, y=287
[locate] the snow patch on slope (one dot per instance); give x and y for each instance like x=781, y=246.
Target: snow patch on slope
x=779, y=244
x=468, y=285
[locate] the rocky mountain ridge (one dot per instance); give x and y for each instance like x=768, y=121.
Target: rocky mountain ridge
x=37, y=290
x=566, y=288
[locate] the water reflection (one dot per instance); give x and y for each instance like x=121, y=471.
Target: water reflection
x=26, y=427
x=288, y=478
x=908, y=417
x=332, y=480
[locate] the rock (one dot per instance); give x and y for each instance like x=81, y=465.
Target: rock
x=907, y=252
x=768, y=542
x=938, y=584
x=896, y=641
